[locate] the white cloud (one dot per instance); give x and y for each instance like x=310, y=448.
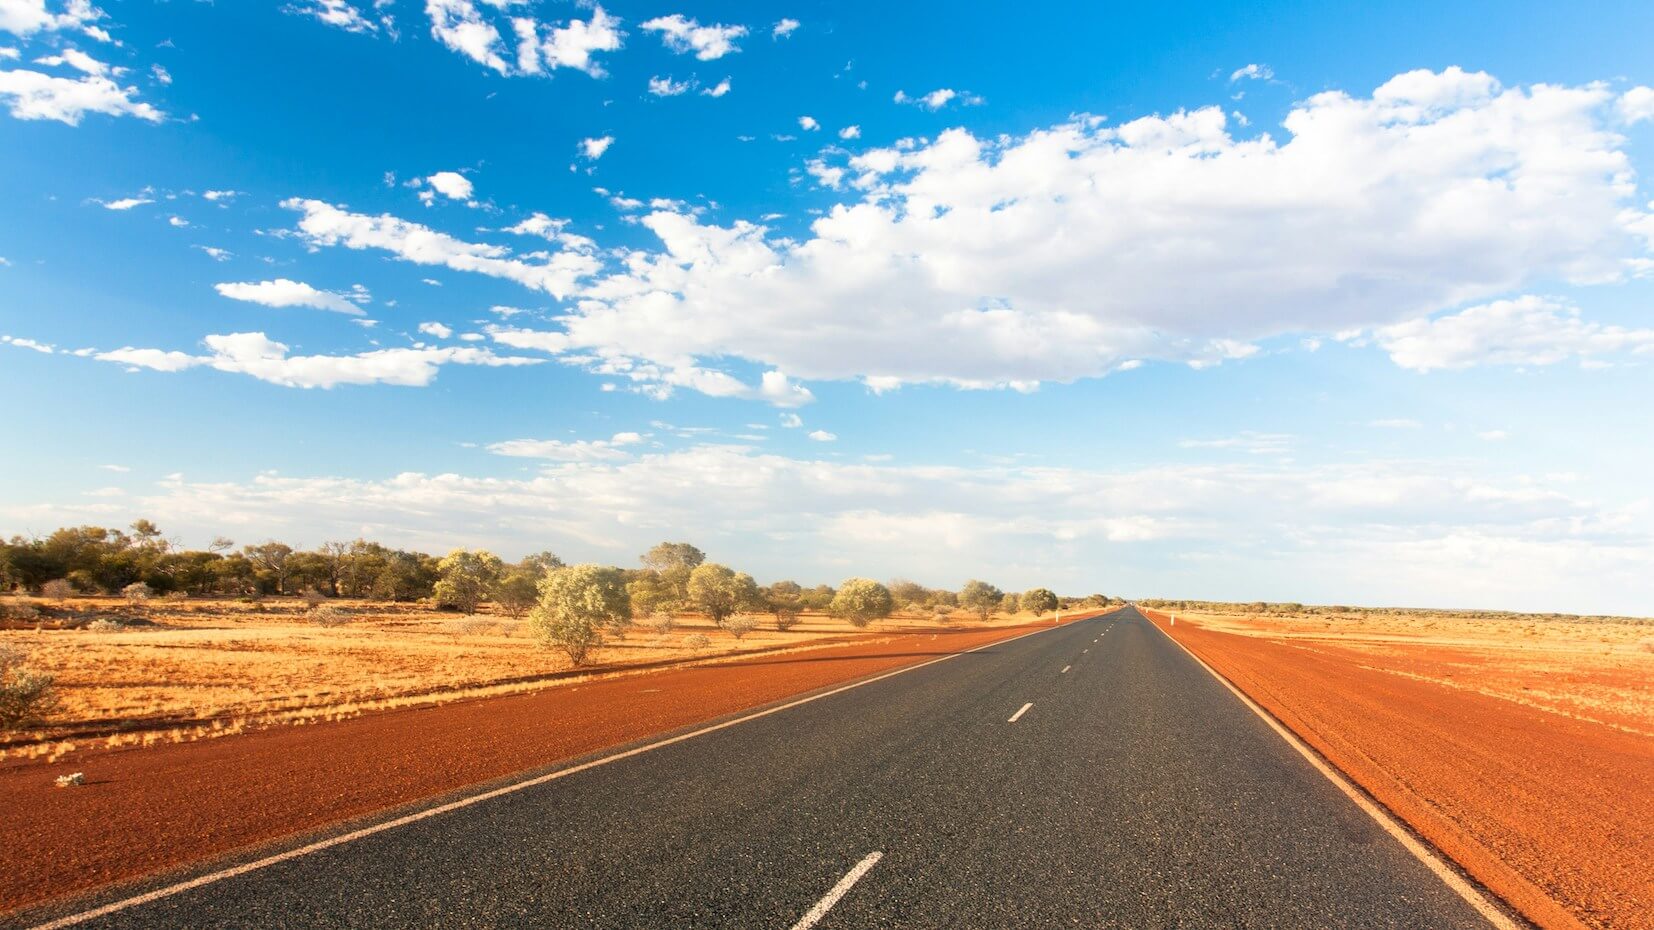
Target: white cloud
x=125, y=203
x=791, y=421
x=35, y=95
x=718, y=90
x=1253, y=73
x=438, y=330
x=177, y=221
x=1493, y=435
x=216, y=254
x=267, y=360
x=593, y=149
x=850, y=132
x=583, y=450
x=464, y=28
x=283, y=292
x=666, y=87
x=324, y=224
x=681, y=35
x=1525, y=331
x=29, y=344
x=1395, y=423
x=115, y=468
x=1636, y=105
x=783, y=28
x=822, y=435
x=451, y=184
x=216, y=196
x=939, y=98
x=339, y=13
x=808, y=123
x=1373, y=532
x=1250, y=442
x=1079, y=249
x=27, y=17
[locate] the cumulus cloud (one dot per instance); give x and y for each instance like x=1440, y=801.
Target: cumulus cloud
x=27, y=17
x=683, y=35
x=439, y=330
x=666, y=87
x=463, y=27
x=1083, y=248
x=324, y=224
x=451, y=184
x=821, y=435
x=583, y=450
x=850, y=132
x=283, y=292
x=341, y=14
x=717, y=90
x=36, y=95
x=1376, y=531
x=125, y=203
x=1525, y=331
x=1252, y=73
x=939, y=98
x=1637, y=104
x=593, y=149
x=783, y=28
x=261, y=357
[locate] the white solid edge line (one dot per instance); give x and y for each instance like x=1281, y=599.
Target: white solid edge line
x=826, y=904
x=1019, y=713
x=1433, y=861
x=343, y=838
x=1065, y=669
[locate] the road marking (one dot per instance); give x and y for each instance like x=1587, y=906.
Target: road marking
x=1085, y=650
x=1065, y=669
x=343, y=838
x=1019, y=713
x=826, y=904
x=1387, y=821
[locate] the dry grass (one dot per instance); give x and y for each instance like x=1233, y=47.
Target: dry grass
x=1593, y=669
x=195, y=669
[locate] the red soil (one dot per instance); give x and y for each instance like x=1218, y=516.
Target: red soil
x=1553, y=814
x=143, y=811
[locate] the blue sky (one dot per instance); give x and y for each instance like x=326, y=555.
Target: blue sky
x=1285, y=303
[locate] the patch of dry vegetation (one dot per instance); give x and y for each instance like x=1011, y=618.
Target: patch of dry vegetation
x=182, y=669
x=1591, y=668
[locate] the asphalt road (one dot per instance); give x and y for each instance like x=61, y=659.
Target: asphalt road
x=1133, y=791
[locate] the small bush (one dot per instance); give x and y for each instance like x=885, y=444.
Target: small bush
x=660, y=623
x=106, y=625
x=697, y=641
x=313, y=598
x=176, y=597
x=740, y=625
x=58, y=589
x=26, y=698
x=472, y=626
x=327, y=615
x=71, y=781
x=137, y=593
x=16, y=608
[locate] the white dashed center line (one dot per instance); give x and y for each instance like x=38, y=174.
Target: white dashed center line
x=826, y=904
x=1019, y=713
x=1065, y=669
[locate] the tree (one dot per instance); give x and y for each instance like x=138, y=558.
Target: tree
x=270, y=558
x=980, y=597
x=1009, y=603
x=57, y=590
x=784, y=600
x=819, y=597
x=1039, y=600
x=861, y=601
x=718, y=591
x=539, y=563
x=740, y=625
x=908, y=593
x=651, y=594
x=136, y=593
x=464, y=577
x=516, y=592
x=576, y=603
x=674, y=562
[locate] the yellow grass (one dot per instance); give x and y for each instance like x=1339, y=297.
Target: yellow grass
x=204, y=668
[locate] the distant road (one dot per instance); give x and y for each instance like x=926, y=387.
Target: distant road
x=1092, y=775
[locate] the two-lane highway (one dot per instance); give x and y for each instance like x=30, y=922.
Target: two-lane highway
x=1092, y=775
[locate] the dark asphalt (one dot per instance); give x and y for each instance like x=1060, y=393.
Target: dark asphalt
x=1136, y=793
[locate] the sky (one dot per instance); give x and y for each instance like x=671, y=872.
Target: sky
x=1288, y=303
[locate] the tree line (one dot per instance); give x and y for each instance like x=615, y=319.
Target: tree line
x=573, y=607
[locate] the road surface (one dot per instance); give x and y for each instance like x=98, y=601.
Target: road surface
x=1092, y=775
